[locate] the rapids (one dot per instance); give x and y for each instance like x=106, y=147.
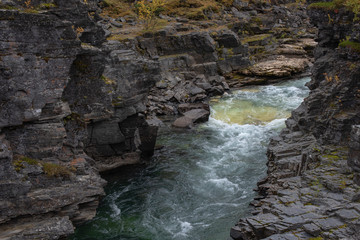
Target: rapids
x=201, y=182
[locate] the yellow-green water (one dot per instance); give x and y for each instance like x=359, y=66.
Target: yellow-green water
x=246, y=112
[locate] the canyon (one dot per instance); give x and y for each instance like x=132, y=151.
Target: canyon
x=80, y=95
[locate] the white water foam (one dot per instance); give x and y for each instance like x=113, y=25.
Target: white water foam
x=116, y=211
x=224, y=184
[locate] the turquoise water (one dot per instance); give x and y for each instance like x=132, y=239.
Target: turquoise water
x=201, y=182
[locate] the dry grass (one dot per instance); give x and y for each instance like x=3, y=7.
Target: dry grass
x=192, y=9
x=56, y=170
x=118, y=8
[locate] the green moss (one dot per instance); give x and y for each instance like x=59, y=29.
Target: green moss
x=324, y=5
x=331, y=157
x=355, y=46
x=47, y=5
x=19, y=161
x=6, y=7
x=56, y=170
x=255, y=38
x=31, y=10
x=350, y=5
x=29, y=161
x=316, y=238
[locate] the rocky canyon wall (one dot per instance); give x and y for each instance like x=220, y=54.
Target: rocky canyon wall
x=72, y=104
x=311, y=190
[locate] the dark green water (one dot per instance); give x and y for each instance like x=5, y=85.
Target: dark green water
x=202, y=181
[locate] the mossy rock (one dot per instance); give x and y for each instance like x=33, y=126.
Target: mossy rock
x=56, y=170
x=354, y=46
x=257, y=40
x=20, y=160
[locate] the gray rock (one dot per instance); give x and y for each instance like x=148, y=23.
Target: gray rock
x=312, y=229
x=198, y=115
x=347, y=214
x=116, y=24
x=328, y=223
x=196, y=90
x=191, y=117
x=185, y=107
x=107, y=133
x=183, y=122
x=53, y=228
x=161, y=84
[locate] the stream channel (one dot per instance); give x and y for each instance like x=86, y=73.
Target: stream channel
x=201, y=182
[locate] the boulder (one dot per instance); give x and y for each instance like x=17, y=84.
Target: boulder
x=198, y=115
x=183, y=122
x=191, y=117
x=280, y=67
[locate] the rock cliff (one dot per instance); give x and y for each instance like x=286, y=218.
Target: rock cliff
x=72, y=104
x=311, y=190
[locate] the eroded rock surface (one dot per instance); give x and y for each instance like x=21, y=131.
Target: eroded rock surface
x=310, y=191
x=72, y=104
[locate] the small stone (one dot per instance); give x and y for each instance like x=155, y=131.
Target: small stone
x=312, y=229
x=161, y=84
x=116, y=24
x=196, y=90
x=328, y=223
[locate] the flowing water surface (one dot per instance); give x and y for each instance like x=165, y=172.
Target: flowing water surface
x=201, y=182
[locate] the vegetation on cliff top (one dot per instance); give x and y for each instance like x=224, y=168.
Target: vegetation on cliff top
x=351, y=5
x=355, y=46
x=192, y=9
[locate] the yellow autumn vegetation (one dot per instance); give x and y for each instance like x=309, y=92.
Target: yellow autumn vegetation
x=147, y=12
x=192, y=9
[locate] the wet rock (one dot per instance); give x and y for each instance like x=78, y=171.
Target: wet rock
x=191, y=117
x=183, y=122
x=198, y=115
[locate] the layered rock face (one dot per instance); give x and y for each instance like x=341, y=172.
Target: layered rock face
x=311, y=189
x=72, y=105
x=265, y=43
x=192, y=66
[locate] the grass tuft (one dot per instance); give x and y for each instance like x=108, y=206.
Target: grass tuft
x=355, y=46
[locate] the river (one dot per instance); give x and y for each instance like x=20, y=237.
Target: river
x=201, y=182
